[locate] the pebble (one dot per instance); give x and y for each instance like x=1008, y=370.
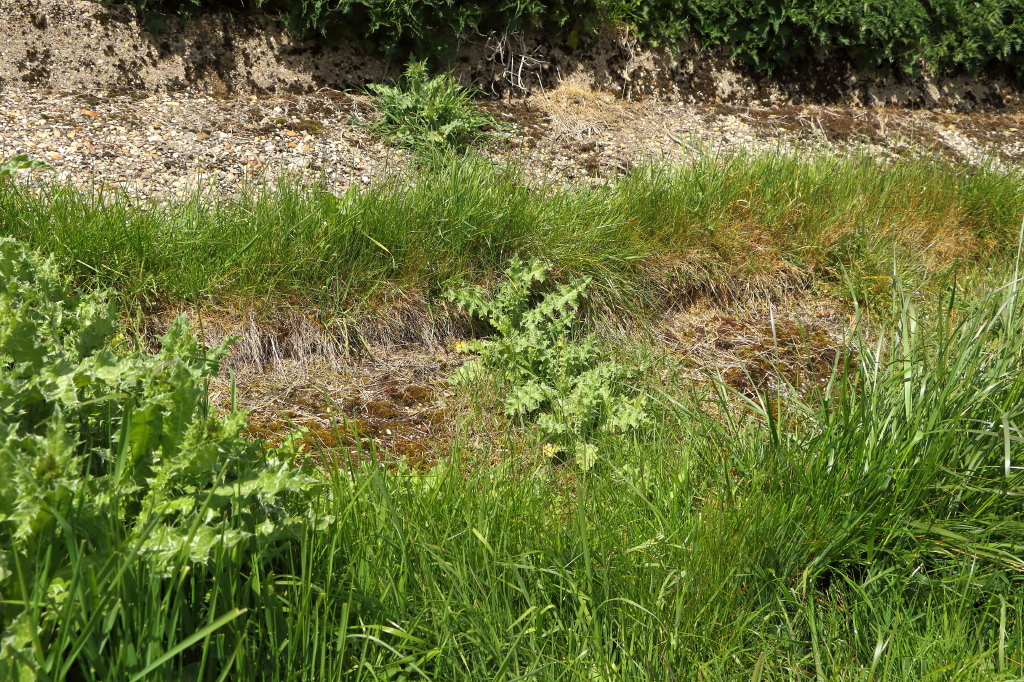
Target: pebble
x=147, y=145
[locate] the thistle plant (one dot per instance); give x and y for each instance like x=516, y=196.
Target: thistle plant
x=556, y=376
x=113, y=463
x=422, y=112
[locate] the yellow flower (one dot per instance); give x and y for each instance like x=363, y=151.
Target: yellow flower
x=550, y=449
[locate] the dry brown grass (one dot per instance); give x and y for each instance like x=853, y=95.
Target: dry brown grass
x=577, y=112
x=762, y=346
x=360, y=399
x=267, y=337
x=375, y=383
x=392, y=402
x=396, y=406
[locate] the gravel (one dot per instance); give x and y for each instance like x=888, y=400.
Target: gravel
x=155, y=146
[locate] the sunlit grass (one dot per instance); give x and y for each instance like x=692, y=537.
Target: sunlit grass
x=730, y=226
x=877, y=536
x=869, y=530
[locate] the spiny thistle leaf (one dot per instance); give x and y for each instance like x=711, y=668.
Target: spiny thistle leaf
x=21, y=162
x=423, y=112
x=554, y=376
x=105, y=434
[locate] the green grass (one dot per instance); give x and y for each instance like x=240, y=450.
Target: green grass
x=869, y=531
x=874, y=533
x=729, y=225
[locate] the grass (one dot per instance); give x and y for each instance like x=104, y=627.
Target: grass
x=731, y=226
x=871, y=535
x=870, y=530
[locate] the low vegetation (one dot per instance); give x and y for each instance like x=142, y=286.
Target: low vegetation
x=20, y=163
x=427, y=113
x=550, y=371
x=618, y=521
x=726, y=227
x=127, y=502
x=868, y=531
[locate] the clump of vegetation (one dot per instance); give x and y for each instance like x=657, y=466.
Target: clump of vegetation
x=423, y=112
x=554, y=374
x=116, y=472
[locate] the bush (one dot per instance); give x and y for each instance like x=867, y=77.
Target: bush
x=946, y=35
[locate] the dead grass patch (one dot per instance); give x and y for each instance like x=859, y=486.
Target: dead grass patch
x=577, y=112
x=268, y=337
x=763, y=348
x=372, y=385
x=394, y=407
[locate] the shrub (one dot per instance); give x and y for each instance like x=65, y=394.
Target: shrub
x=946, y=35
x=555, y=375
x=903, y=36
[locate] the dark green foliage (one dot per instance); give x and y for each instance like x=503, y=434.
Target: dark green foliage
x=949, y=35
x=404, y=28
x=945, y=35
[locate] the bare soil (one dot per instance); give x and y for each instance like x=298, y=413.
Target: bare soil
x=86, y=46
